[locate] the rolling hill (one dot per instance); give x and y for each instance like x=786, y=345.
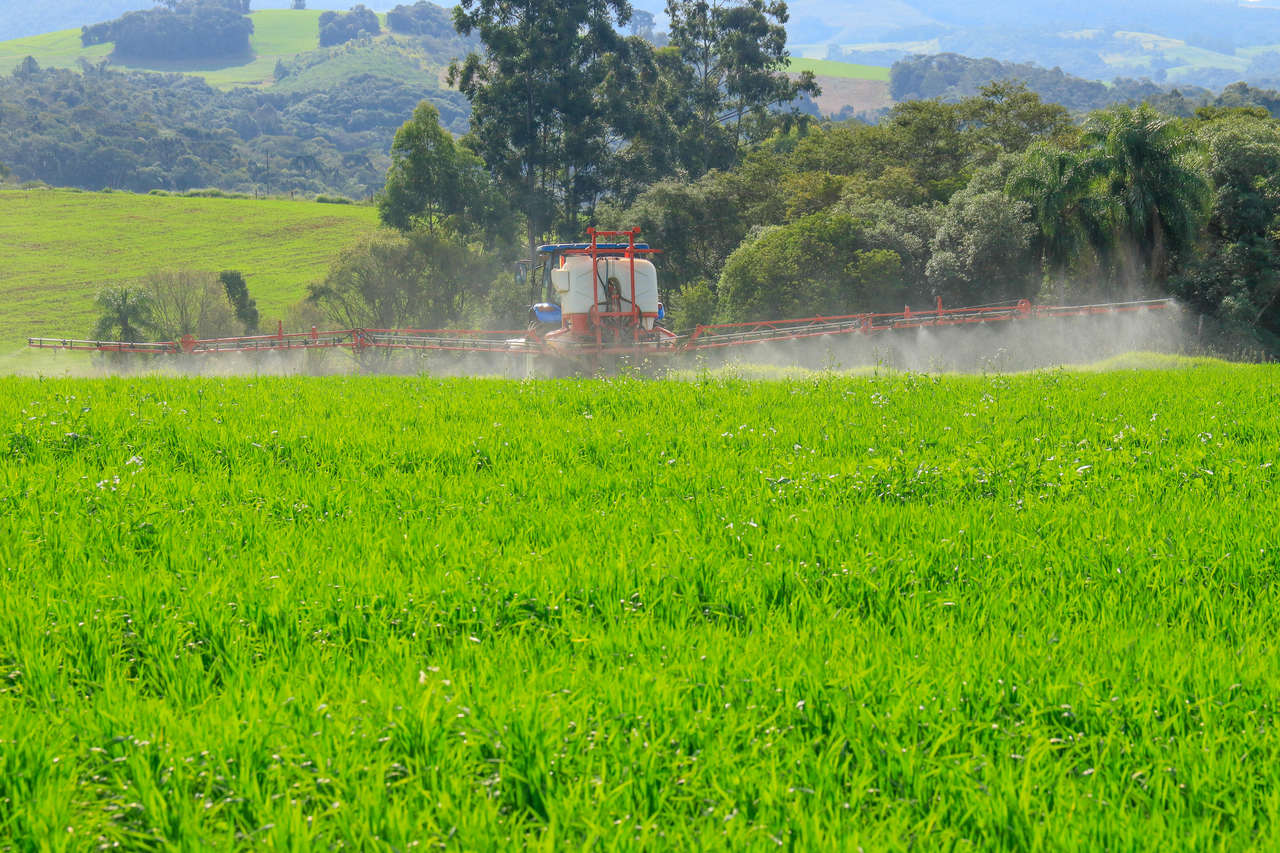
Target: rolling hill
x=18, y=19
x=290, y=39
x=1202, y=42
x=59, y=247
x=848, y=89
x=279, y=34
x=294, y=116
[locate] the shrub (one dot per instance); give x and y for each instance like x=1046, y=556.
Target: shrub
x=339, y=27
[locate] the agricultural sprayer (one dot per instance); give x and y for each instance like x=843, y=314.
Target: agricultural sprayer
x=598, y=300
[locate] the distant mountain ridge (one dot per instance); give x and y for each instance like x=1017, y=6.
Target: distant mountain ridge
x=1208, y=43
x=874, y=20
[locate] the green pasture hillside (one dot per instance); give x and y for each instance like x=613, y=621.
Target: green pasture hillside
x=840, y=70
x=52, y=50
x=279, y=34
x=293, y=38
x=847, y=87
x=58, y=248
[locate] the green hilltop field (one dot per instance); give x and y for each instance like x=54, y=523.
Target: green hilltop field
x=58, y=247
x=840, y=70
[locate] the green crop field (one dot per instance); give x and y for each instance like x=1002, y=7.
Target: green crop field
x=840, y=70
x=886, y=612
x=58, y=248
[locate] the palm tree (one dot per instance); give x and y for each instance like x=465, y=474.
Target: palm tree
x=1157, y=198
x=126, y=314
x=1058, y=184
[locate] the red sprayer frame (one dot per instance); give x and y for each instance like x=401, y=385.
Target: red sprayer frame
x=703, y=337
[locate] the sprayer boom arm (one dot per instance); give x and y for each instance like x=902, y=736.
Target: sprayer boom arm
x=719, y=335
x=661, y=342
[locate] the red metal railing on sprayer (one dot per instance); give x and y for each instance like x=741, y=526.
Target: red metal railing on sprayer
x=718, y=335
x=459, y=340
x=703, y=337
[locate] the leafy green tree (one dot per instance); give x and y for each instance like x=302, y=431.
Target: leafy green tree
x=432, y=180
x=1156, y=196
x=728, y=63
x=1236, y=272
x=420, y=19
x=843, y=149
x=1007, y=117
x=905, y=229
x=930, y=138
x=536, y=119
x=983, y=251
x=810, y=192
x=423, y=183
x=188, y=302
x=341, y=27
x=693, y=306
x=643, y=133
x=126, y=314
x=201, y=28
x=819, y=264
x=1070, y=218
x=237, y=292
x=418, y=280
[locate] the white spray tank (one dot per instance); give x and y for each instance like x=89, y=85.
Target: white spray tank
x=579, y=289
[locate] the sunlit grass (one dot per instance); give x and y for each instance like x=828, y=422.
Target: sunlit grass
x=58, y=248
x=891, y=612
x=847, y=70
x=52, y=50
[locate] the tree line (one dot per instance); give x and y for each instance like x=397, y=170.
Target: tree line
x=420, y=19
x=951, y=77
x=763, y=214
x=171, y=304
x=137, y=131
x=993, y=198
x=180, y=30
x=341, y=27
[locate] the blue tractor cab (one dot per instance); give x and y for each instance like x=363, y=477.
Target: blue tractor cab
x=536, y=273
